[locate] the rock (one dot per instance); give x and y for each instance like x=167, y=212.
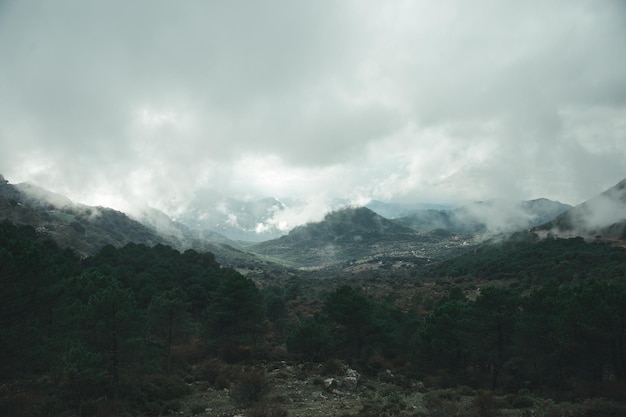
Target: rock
x=318, y=395
x=419, y=385
x=349, y=383
x=330, y=383
x=387, y=376
x=353, y=374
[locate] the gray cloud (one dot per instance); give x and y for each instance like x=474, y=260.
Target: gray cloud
x=126, y=103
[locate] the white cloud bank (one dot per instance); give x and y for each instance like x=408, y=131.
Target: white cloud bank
x=150, y=103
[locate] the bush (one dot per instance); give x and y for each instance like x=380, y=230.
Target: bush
x=443, y=409
x=163, y=388
x=522, y=400
x=266, y=411
x=333, y=367
x=216, y=373
x=390, y=404
x=588, y=408
x=311, y=339
x=484, y=404
x=436, y=398
x=197, y=408
x=251, y=387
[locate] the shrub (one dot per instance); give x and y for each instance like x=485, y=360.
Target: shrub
x=436, y=398
x=333, y=367
x=589, y=408
x=484, y=404
x=311, y=339
x=216, y=373
x=522, y=400
x=376, y=364
x=266, y=411
x=251, y=387
x=197, y=408
x=163, y=388
x=465, y=390
x=443, y=409
x=389, y=405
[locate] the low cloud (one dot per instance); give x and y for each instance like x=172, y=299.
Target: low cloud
x=149, y=104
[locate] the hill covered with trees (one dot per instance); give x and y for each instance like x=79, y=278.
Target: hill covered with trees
x=104, y=327
x=132, y=331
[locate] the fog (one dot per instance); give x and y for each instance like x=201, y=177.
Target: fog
x=155, y=105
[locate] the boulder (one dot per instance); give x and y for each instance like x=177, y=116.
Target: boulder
x=350, y=381
x=330, y=383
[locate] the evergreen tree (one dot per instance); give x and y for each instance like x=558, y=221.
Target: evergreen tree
x=311, y=339
x=169, y=319
x=236, y=310
x=352, y=311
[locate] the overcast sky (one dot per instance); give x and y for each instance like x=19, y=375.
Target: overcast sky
x=150, y=102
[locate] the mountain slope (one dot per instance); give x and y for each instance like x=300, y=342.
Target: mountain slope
x=357, y=235
x=83, y=228
x=493, y=216
x=603, y=215
x=87, y=229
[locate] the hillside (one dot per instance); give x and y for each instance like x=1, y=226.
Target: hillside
x=359, y=236
x=147, y=330
x=602, y=216
x=83, y=228
x=151, y=331
x=87, y=229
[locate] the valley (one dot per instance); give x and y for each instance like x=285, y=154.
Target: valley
x=355, y=315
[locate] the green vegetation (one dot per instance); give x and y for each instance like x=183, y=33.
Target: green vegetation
x=126, y=328
x=524, y=257
x=95, y=328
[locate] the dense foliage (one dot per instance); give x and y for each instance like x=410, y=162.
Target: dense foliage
x=555, y=334
x=551, y=312
x=524, y=257
x=107, y=326
x=92, y=327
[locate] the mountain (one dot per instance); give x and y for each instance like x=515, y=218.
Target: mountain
x=357, y=236
x=83, y=228
x=602, y=216
x=487, y=217
x=87, y=229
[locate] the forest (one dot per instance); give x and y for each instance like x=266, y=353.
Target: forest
x=79, y=336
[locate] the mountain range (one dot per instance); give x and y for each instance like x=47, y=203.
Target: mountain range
x=348, y=238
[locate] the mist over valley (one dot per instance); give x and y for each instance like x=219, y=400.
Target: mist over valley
x=312, y=209
x=244, y=232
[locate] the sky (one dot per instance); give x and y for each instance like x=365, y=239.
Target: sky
x=154, y=103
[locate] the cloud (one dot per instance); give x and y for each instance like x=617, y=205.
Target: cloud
x=149, y=103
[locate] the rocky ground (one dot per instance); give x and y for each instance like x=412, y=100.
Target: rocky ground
x=316, y=391
x=301, y=391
